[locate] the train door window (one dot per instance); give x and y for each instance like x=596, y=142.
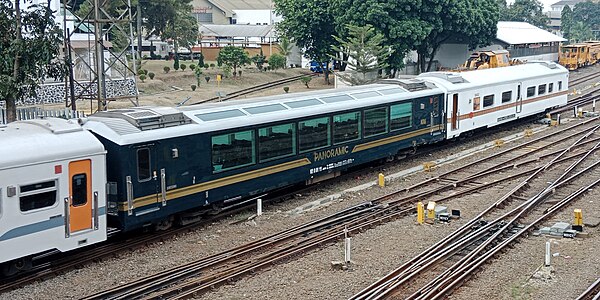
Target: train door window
x=530, y=91
x=541, y=89
x=143, y=164
x=37, y=195
x=346, y=127
x=550, y=87
x=376, y=121
x=560, y=85
x=506, y=96
x=276, y=142
x=313, y=134
x=79, y=187
x=401, y=116
x=476, y=103
x=488, y=100
x=233, y=150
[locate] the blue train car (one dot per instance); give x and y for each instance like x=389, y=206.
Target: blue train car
x=163, y=162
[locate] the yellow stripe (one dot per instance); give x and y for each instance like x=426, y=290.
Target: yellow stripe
x=393, y=139
x=213, y=184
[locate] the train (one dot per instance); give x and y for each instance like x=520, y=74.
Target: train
x=65, y=184
x=579, y=55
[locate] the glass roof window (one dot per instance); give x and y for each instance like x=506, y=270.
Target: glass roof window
x=338, y=98
x=303, y=103
x=219, y=115
x=265, y=109
x=392, y=91
x=366, y=95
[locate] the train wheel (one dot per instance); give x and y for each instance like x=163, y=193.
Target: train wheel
x=164, y=224
x=16, y=266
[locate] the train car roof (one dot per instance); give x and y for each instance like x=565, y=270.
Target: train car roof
x=142, y=124
x=453, y=81
x=44, y=140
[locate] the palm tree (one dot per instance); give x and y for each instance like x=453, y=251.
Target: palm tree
x=285, y=48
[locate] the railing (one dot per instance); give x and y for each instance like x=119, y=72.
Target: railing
x=29, y=113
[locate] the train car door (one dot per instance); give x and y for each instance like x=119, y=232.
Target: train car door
x=148, y=176
x=519, y=102
x=80, y=195
x=454, y=118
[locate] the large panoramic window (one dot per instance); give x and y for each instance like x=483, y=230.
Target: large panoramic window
x=233, y=150
x=276, y=141
x=346, y=127
x=401, y=116
x=313, y=134
x=376, y=121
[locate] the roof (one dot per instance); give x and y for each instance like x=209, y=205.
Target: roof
x=58, y=139
x=235, y=30
x=514, y=33
x=228, y=6
x=566, y=2
x=494, y=76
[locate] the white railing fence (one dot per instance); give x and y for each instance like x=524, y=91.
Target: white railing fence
x=29, y=113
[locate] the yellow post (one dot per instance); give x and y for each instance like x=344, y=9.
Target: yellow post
x=431, y=210
x=219, y=80
x=499, y=142
x=578, y=217
x=528, y=132
x=420, y=212
x=381, y=180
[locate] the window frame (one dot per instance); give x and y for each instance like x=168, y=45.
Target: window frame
x=533, y=88
x=137, y=164
x=486, y=98
x=73, y=189
x=329, y=133
x=359, y=119
x=390, y=116
x=53, y=188
x=550, y=87
x=509, y=98
x=253, y=135
x=560, y=85
x=294, y=142
x=387, y=121
x=541, y=90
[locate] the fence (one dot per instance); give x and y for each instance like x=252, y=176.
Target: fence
x=28, y=113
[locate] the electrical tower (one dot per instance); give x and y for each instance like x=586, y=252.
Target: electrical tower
x=99, y=52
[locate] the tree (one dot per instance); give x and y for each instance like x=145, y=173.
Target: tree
x=233, y=57
x=285, y=48
x=581, y=32
x=530, y=11
x=259, y=60
x=29, y=51
x=365, y=51
x=277, y=61
x=588, y=13
x=566, y=22
x=310, y=23
x=465, y=21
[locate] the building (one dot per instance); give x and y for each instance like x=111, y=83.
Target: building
x=253, y=38
x=556, y=11
x=524, y=42
x=222, y=12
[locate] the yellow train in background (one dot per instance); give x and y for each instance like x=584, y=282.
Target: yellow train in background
x=579, y=55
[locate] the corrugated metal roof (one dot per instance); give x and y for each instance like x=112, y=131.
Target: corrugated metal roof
x=567, y=2
x=515, y=33
x=235, y=30
x=228, y=6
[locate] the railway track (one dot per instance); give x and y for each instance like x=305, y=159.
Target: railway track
x=584, y=78
x=197, y=277
x=255, y=88
x=592, y=292
x=476, y=242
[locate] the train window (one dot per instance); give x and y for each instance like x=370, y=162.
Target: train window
x=346, y=127
x=401, y=116
x=265, y=109
x=79, y=189
x=488, y=100
x=530, y=91
x=366, y=95
x=303, y=103
x=313, y=134
x=506, y=96
x=560, y=85
x=276, y=141
x=541, y=89
x=38, y=195
x=550, y=87
x=376, y=121
x=233, y=150
x=143, y=164
x=338, y=98
x=218, y=115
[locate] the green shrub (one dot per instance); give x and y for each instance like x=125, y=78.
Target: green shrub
x=151, y=75
x=143, y=77
x=286, y=89
x=183, y=67
x=207, y=78
x=277, y=61
x=176, y=63
x=306, y=80
x=166, y=69
x=193, y=86
x=212, y=66
x=192, y=67
x=206, y=66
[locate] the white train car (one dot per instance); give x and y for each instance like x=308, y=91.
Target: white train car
x=52, y=190
x=486, y=98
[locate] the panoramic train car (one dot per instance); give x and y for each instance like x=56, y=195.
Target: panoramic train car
x=492, y=97
x=52, y=190
x=164, y=161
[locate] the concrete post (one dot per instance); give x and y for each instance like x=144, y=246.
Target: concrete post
x=347, y=246
x=548, y=255
x=258, y=207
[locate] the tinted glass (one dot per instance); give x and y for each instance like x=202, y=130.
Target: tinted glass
x=276, y=141
x=531, y=91
x=313, y=134
x=488, y=100
x=303, y=103
x=365, y=95
x=232, y=150
x=338, y=98
x=264, y=109
x=220, y=115
x=401, y=116
x=550, y=87
x=506, y=96
x=541, y=89
x=376, y=121
x=346, y=127
x=79, y=187
x=143, y=163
